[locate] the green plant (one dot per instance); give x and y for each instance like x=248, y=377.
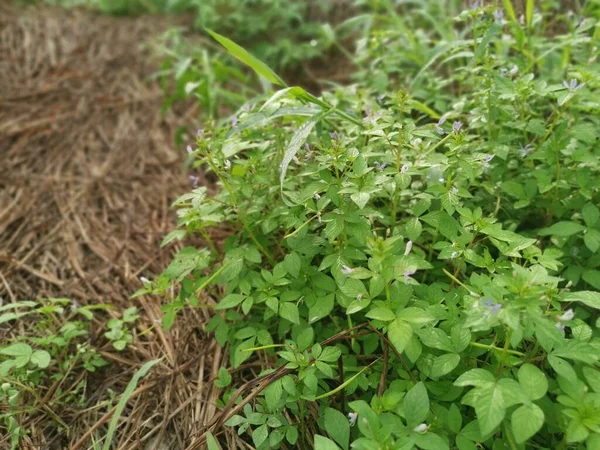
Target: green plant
x=408, y=268
x=119, y=331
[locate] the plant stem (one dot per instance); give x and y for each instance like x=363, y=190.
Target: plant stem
x=493, y=347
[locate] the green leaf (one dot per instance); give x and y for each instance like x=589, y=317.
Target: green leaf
x=489, y=406
x=41, y=358
x=588, y=298
x=590, y=214
x=475, y=377
x=454, y=418
x=230, y=301
x=592, y=377
x=510, y=11
x=260, y=435
x=592, y=277
x=416, y=405
x=444, y=364
x=591, y=239
x=383, y=314
x=18, y=349
x=399, y=334
x=529, y=13
x=563, y=368
x=337, y=426
x=361, y=199
x=251, y=61
x=533, y=381
x=292, y=264
x=323, y=443
x=211, y=442
x=273, y=394
x=297, y=141
x=562, y=229
x=526, y=421
x=289, y=311
x=321, y=308
x=124, y=399
x=431, y=441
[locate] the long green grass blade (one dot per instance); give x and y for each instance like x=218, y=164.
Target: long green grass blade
x=529, y=13
x=251, y=61
x=510, y=11
x=124, y=399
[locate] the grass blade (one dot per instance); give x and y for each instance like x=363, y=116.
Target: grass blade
x=123, y=400
x=529, y=13
x=251, y=61
x=510, y=11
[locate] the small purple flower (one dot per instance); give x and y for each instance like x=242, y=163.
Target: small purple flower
x=487, y=159
x=456, y=126
x=491, y=306
x=568, y=315
x=512, y=72
x=476, y=4
x=379, y=166
x=75, y=304
x=524, y=151
x=234, y=121
x=200, y=133
x=573, y=85
x=404, y=168
x=307, y=147
x=334, y=135
x=347, y=270
x=499, y=15
x=408, y=248
x=409, y=272
x=438, y=127
x=194, y=181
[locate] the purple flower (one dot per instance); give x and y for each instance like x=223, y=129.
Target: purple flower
x=456, y=126
x=194, y=181
x=333, y=135
x=404, y=168
x=234, y=121
x=499, y=15
x=409, y=272
x=491, y=306
x=438, y=127
x=488, y=158
x=201, y=133
x=512, y=72
x=408, y=248
x=307, y=147
x=572, y=85
x=524, y=151
x=379, y=166
x=346, y=270
x=476, y=4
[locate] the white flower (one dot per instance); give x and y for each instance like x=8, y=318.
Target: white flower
x=352, y=418
x=422, y=428
x=346, y=270
x=190, y=149
x=567, y=315
x=453, y=255
x=316, y=196
x=144, y=280
x=227, y=164
x=408, y=248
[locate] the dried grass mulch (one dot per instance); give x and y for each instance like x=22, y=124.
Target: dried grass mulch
x=88, y=170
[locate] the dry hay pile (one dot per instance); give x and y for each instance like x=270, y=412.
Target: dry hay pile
x=87, y=174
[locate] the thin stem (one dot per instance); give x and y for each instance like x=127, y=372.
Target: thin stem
x=493, y=347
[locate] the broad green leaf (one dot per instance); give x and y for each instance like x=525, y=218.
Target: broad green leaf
x=321, y=308
x=337, y=426
x=251, y=61
x=292, y=264
x=562, y=229
x=431, y=441
x=454, y=418
x=41, y=358
x=19, y=349
x=588, y=298
x=489, y=406
x=444, y=364
x=592, y=376
x=591, y=239
x=260, y=435
x=562, y=367
x=526, y=421
x=361, y=199
x=416, y=405
x=211, y=442
x=383, y=314
x=590, y=214
x=577, y=431
x=399, y=333
x=475, y=377
x=230, y=301
x=289, y=311
x=592, y=277
x=323, y=443
x=297, y=141
x=533, y=381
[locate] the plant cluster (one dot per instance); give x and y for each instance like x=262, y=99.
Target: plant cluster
x=415, y=255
